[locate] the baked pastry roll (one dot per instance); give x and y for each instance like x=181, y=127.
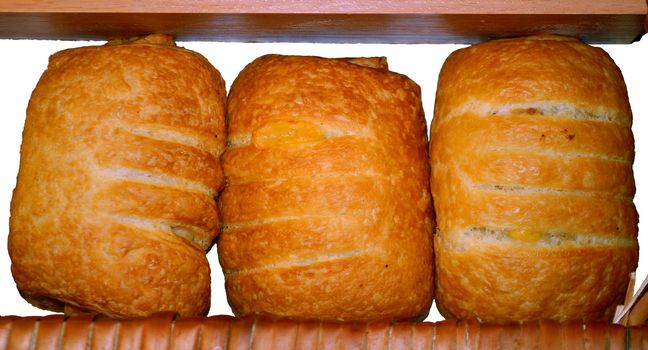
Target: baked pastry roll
x=114, y=203
x=531, y=154
x=326, y=212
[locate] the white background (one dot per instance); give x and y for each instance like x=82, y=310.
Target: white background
x=22, y=63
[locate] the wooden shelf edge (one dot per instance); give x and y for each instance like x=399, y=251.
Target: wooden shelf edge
x=335, y=28
x=580, y=7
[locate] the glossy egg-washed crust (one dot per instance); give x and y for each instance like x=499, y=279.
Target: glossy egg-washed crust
x=114, y=204
x=327, y=212
x=531, y=154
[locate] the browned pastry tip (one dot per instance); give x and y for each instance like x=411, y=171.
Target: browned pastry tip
x=371, y=62
x=153, y=39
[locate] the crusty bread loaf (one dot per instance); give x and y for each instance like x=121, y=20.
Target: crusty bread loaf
x=114, y=204
x=326, y=212
x=531, y=152
x=161, y=332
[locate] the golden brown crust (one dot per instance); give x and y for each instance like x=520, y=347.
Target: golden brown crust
x=114, y=206
x=531, y=152
x=530, y=72
x=527, y=273
x=326, y=212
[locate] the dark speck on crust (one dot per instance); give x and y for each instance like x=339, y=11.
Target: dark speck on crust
x=568, y=135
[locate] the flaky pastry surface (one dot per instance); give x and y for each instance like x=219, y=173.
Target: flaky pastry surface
x=114, y=204
x=326, y=212
x=531, y=154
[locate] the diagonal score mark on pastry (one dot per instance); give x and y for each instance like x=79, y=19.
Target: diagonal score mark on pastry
x=266, y=242
x=184, y=136
x=586, y=156
x=556, y=134
x=199, y=236
x=531, y=155
x=521, y=189
x=274, y=219
x=510, y=170
x=315, y=195
x=541, y=109
x=514, y=207
x=553, y=172
x=132, y=175
x=326, y=211
x=332, y=175
x=154, y=203
x=114, y=205
x=466, y=239
x=296, y=263
x=341, y=156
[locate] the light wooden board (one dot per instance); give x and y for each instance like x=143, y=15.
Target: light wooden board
x=413, y=21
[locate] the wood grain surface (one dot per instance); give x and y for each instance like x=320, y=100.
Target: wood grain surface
x=334, y=6
x=415, y=21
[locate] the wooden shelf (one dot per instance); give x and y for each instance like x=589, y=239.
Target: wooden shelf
x=413, y=21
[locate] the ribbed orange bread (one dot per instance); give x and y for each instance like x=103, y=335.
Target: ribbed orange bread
x=531, y=155
x=326, y=212
x=114, y=203
x=163, y=331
